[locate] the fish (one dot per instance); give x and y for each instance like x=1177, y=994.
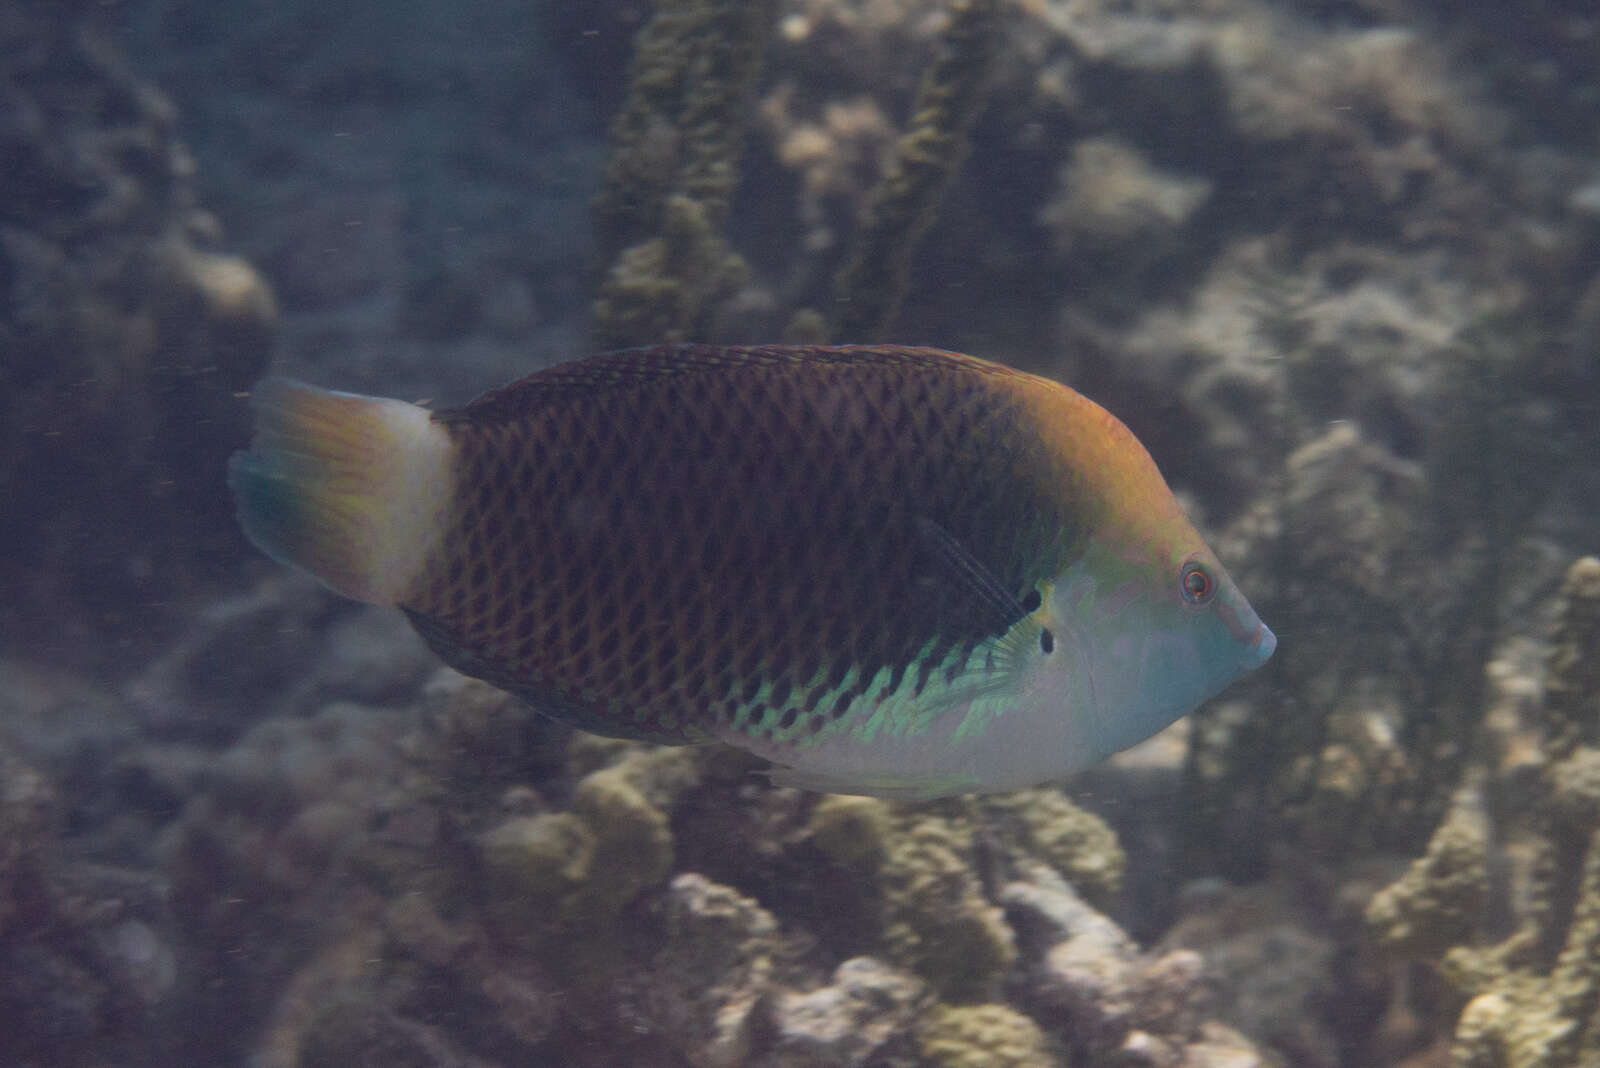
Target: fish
x=886, y=570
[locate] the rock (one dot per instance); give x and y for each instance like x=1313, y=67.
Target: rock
x=1046, y=825
x=714, y=974
x=1047, y=912
x=844, y=1024
x=352, y=1034
x=1098, y=992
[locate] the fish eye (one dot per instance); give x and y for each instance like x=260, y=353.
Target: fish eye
x=1196, y=584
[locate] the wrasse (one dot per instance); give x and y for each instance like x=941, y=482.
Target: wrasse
x=894, y=571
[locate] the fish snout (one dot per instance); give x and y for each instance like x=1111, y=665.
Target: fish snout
x=1260, y=650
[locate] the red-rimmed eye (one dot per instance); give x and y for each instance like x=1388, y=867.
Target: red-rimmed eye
x=1196, y=583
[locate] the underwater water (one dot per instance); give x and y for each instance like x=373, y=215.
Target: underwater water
x=1334, y=263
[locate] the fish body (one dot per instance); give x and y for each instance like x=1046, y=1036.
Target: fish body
x=888, y=570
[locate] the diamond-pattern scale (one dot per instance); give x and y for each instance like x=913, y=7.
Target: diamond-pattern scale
x=660, y=541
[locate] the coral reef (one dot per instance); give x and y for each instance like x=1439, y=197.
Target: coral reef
x=1531, y=995
x=936, y=921
x=87, y=963
x=1114, y=207
x=1534, y=995
x=867, y=1005
x=1440, y=901
x=1332, y=262
x=125, y=334
x=676, y=145
x=871, y=285
x=395, y=876
x=971, y=1036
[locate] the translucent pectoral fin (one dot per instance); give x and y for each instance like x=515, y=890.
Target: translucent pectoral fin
x=970, y=586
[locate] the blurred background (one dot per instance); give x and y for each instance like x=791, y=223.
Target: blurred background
x=1335, y=262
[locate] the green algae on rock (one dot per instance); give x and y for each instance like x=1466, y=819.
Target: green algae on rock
x=982, y=1036
x=853, y=830
x=559, y=871
x=936, y=920
x=1072, y=840
x=915, y=868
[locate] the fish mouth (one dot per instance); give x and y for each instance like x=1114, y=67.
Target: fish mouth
x=1261, y=646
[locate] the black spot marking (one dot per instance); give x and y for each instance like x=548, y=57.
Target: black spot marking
x=1031, y=601
x=787, y=719
x=1047, y=641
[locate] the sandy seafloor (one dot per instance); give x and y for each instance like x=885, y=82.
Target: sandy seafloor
x=1336, y=263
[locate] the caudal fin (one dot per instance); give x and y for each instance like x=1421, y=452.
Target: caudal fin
x=352, y=489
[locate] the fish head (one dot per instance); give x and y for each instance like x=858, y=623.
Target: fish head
x=1148, y=636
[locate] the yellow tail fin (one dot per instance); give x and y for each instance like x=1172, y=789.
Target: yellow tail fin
x=352, y=489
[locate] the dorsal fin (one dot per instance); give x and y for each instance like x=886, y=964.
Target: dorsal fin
x=632, y=367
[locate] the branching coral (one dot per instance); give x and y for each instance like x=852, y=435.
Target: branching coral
x=1535, y=996
x=873, y=281
x=674, y=164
